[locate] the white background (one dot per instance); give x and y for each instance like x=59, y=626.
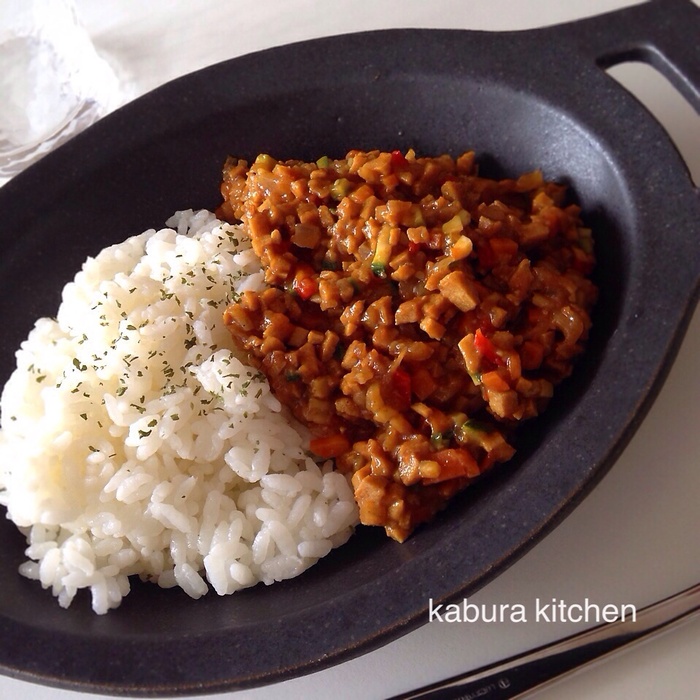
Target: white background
x=634, y=539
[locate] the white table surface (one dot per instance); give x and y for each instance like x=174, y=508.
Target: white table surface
x=633, y=540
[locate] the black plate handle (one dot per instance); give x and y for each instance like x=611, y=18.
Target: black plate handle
x=661, y=33
x=665, y=35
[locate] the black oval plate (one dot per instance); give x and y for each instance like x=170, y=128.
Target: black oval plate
x=520, y=107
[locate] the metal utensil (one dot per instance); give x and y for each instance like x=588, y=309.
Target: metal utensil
x=531, y=670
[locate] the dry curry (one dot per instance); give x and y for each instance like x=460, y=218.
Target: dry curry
x=414, y=313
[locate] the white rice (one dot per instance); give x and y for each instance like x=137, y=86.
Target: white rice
x=135, y=441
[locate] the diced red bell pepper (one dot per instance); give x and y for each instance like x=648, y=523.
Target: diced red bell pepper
x=330, y=446
x=305, y=287
x=487, y=349
x=398, y=160
x=455, y=463
x=486, y=256
x=401, y=386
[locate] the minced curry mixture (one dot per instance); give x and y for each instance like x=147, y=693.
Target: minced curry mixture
x=415, y=313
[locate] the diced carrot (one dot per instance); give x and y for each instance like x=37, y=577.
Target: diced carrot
x=361, y=193
x=329, y=446
x=503, y=248
x=531, y=354
x=454, y=464
x=390, y=181
x=583, y=262
x=494, y=381
x=423, y=383
x=461, y=248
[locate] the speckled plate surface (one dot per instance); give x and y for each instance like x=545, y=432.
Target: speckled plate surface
x=538, y=98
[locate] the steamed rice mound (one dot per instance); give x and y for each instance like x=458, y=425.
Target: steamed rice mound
x=135, y=441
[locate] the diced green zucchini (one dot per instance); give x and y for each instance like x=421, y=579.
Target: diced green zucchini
x=484, y=435
x=265, y=161
x=382, y=252
x=417, y=218
x=340, y=188
x=440, y=440
x=585, y=239
x=478, y=425
x=454, y=226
